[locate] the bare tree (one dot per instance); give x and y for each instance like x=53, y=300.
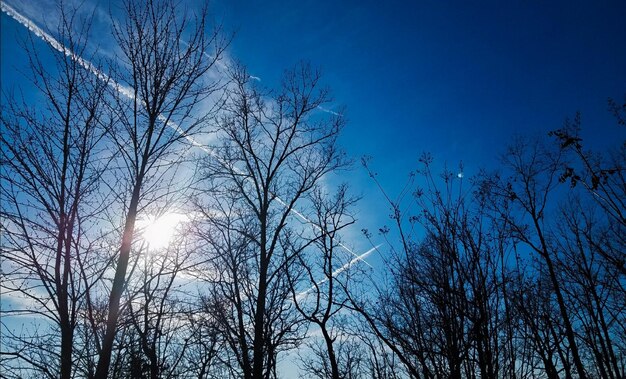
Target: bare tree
x=52, y=163
x=592, y=285
x=321, y=302
x=442, y=308
x=157, y=309
x=380, y=361
x=533, y=177
x=275, y=148
x=539, y=332
x=602, y=175
x=166, y=62
x=206, y=356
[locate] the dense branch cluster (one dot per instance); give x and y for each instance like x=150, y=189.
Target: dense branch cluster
x=515, y=273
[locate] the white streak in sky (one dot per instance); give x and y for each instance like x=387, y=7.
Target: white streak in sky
x=317, y=227
x=218, y=62
x=321, y=108
x=340, y=270
x=58, y=46
x=129, y=93
x=255, y=78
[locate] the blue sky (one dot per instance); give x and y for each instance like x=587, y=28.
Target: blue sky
x=456, y=79
x=453, y=78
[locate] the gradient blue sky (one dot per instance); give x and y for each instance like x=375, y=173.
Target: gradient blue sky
x=456, y=79
x=453, y=78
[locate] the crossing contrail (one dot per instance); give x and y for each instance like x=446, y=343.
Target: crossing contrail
x=129, y=93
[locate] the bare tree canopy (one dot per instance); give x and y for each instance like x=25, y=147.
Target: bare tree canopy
x=165, y=213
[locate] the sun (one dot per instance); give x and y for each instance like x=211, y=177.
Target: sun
x=159, y=231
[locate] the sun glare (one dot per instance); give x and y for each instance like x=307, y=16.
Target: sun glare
x=158, y=231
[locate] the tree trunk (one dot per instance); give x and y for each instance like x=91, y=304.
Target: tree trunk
x=569, y=332
x=331, y=353
x=117, y=289
x=259, y=315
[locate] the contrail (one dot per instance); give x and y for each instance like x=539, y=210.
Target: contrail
x=340, y=270
x=315, y=226
x=323, y=109
x=130, y=94
x=58, y=46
